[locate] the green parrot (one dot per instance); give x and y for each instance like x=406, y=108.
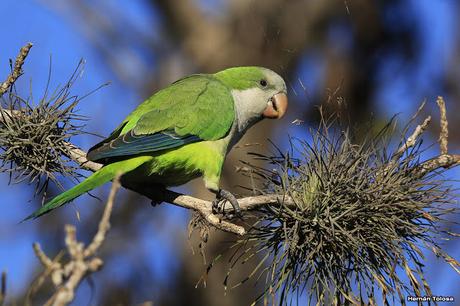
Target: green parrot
x=182, y=132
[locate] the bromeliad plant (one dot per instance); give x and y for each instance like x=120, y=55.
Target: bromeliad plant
x=34, y=134
x=359, y=216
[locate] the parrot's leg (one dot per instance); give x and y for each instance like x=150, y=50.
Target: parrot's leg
x=159, y=194
x=155, y=192
x=223, y=195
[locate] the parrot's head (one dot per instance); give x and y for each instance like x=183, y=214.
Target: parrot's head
x=258, y=93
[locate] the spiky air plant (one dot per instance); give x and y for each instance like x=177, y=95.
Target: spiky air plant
x=33, y=134
x=359, y=217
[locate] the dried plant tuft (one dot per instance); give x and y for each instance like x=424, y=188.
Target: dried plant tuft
x=33, y=134
x=362, y=214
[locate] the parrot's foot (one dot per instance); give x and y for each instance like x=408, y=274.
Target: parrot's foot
x=155, y=202
x=218, y=205
x=157, y=195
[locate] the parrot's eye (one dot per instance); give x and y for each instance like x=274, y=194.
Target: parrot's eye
x=263, y=83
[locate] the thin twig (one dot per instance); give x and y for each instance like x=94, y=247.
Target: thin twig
x=104, y=225
x=42, y=277
x=17, y=69
x=444, y=134
x=419, y=110
x=42, y=257
x=412, y=139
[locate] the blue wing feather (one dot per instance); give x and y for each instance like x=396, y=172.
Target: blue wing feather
x=130, y=144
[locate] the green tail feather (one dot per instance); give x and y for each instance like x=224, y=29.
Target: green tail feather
x=97, y=179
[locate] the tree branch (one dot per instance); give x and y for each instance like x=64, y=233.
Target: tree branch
x=17, y=69
x=67, y=277
x=104, y=225
x=443, y=136
x=203, y=207
x=445, y=160
x=412, y=139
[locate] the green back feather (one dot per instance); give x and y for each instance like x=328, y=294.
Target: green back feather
x=199, y=105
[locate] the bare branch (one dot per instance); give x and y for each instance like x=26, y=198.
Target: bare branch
x=42, y=257
x=203, y=207
x=17, y=69
x=104, y=225
x=419, y=110
x=443, y=136
x=441, y=161
x=444, y=160
x=79, y=156
x=40, y=280
x=412, y=139
x=67, y=277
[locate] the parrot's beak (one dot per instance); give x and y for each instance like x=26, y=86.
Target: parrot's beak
x=276, y=106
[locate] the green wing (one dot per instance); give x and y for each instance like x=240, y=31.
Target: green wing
x=192, y=109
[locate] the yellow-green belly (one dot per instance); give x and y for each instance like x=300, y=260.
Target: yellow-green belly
x=180, y=165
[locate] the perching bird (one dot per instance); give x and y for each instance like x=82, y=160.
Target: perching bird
x=184, y=131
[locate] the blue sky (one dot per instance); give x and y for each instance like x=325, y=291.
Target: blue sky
x=401, y=89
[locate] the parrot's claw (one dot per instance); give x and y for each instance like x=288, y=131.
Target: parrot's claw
x=218, y=205
x=158, y=195
x=155, y=203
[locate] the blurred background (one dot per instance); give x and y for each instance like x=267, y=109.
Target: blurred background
x=377, y=58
